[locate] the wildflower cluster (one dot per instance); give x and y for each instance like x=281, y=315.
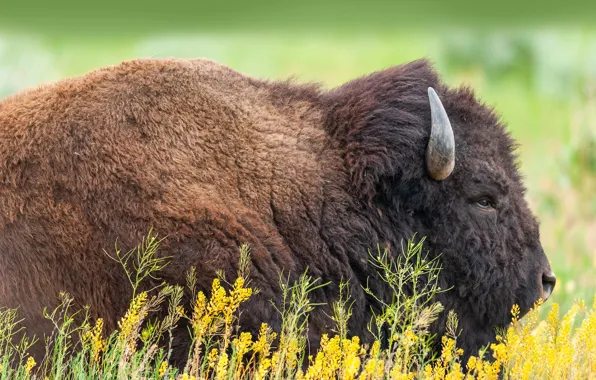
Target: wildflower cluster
x=528, y=349
x=94, y=341
x=336, y=358
x=131, y=322
x=216, y=316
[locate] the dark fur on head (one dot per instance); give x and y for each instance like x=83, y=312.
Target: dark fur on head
x=308, y=178
x=492, y=257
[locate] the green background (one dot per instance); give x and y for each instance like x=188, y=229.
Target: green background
x=535, y=64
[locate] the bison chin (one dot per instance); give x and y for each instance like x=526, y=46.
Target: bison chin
x=483, y=304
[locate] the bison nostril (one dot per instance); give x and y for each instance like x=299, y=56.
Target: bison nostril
x=548, y=284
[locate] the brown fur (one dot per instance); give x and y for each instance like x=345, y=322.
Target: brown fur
x=211, y=159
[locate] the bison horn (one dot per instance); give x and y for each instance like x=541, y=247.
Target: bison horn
x=440, y=152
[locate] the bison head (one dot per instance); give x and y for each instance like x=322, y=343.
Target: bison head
x=441, y=164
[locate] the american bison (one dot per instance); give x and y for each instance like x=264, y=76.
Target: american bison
x=306, y=177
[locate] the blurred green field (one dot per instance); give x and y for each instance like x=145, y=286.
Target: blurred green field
x=542, y=82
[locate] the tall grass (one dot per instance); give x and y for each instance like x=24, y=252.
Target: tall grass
x=219, y=349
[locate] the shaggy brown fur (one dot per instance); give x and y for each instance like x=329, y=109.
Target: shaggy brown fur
x=213, y=159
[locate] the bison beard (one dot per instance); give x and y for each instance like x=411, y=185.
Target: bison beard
x=307, y=177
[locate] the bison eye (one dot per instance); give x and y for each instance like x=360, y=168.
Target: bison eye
x=485, y=203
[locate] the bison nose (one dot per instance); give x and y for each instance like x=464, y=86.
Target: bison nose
x=548, y=284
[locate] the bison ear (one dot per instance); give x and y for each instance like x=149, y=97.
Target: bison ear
x=440, y=152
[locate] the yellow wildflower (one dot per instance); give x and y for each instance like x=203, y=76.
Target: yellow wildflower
x=162, y=368
x=374, y=351
x=212, y=358
x=515, y=311
x=242, y=345
x=499, y=352
x=94, y=340
x=334, y=356
x=410, y=337
x=263, y=344
x=134, y=316
x=275, y=358
x=428, y=372
x=375, y=364
x=472, y=361
x=218, y=301
x=222, y=367
x=180, y=311
x=238, y=295
x=29, y=365
x=264, y=366
x=201, y=319
x=292, y=353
